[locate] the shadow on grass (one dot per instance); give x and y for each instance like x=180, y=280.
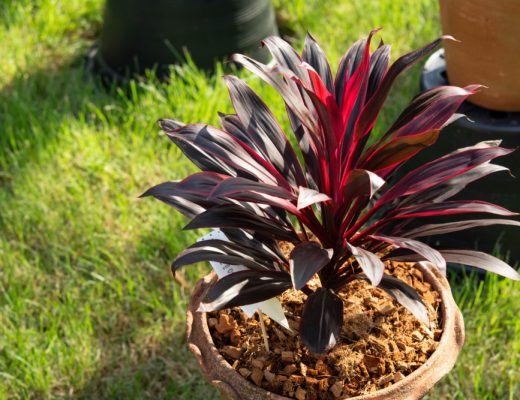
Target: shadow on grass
x=149, y=369
x=36, y=102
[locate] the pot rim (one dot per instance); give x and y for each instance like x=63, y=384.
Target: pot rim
x=413, y=386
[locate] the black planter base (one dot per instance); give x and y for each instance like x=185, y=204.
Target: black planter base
x=499, y=188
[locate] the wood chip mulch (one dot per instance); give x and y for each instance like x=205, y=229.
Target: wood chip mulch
x=381, y=343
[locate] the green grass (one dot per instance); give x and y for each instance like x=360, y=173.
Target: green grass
x=88, y=306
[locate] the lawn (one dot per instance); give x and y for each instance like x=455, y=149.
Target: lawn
x=88, y=306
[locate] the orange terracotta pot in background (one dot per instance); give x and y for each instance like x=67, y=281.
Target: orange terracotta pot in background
x=489, y=51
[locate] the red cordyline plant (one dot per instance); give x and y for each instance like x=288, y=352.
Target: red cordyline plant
x=337, y=207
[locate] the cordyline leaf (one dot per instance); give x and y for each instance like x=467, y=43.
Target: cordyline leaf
x=442, y=169
x=378, y=65
x=263, y=129
x=405, y=295
x=361, y=183
x=455, y=226
x=347, y=66
x=235, y=216
x=286, y=56
x=353, y=102
x=307, y=197
x=243, y=288
x=221, y=152
x=453, y=186
x=232, y=186
x=373, y=107
x=452, y=207
x=231, y=124
x=321, y=321
x=399, y=150
x=189, y=196
x=429, y=253
x=480, y=260
x=315, y=57
x=169, y=125
x=306, y=260
x=430, y=110
x=256, y=192
x=224, y=252
x=370, y=263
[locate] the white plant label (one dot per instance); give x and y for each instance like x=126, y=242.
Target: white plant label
x=272, y=307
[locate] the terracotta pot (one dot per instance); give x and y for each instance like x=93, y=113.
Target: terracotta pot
x=232, y=385
x=489, y=51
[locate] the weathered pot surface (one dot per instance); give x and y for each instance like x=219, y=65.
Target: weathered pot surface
x=220, y=374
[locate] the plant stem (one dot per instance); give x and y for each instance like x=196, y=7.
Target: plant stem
x=262, y=328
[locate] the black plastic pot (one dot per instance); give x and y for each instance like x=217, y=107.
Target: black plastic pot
x=499, y=188
x=140, y=34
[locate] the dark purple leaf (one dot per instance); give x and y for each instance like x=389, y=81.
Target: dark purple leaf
x=306, y=260
x=315, y=57
x=455, y=226
x=256, y=192
x=373, y=107
x=442, y=169
x=398, y=150
x=243, y=288
x=322, y=319
x=264, y=130
x=405, y=295
x=347, y=66
x=235, y=216
x=223, y=153
x=451, y=207
x=453, y=186
x=378, y=66
x=169, y=125
x=362, y=183
x=430, y=110
x=421, y=248
x=370, y=263
x=226, y=252
x=307, y=197
x=189, y=196
x=480, y=260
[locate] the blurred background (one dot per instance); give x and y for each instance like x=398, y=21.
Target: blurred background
x=88, y=307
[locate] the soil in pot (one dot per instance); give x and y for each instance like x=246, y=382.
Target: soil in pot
x=380, y=343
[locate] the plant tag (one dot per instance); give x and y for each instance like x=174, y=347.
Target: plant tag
x=272, y=307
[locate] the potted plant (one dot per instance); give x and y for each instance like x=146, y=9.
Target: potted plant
x=368, y=310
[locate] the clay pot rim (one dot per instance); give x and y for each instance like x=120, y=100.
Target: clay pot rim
x=452, y=334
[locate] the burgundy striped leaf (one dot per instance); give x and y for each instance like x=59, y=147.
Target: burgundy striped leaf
x=321, y=320
x=442, y=169
x=373, y=107
x=450, y=208
x=243, y=288
x=480, y=260
x=456, y=226
x=235, y=216
x=398, y=150
x=263, y=129
x=362, y=182
x=308, y=197
x=224, y=252
x=315, y=57
x=405, y=295
x=370, y=263
x=429, y=253
x=306, y=260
